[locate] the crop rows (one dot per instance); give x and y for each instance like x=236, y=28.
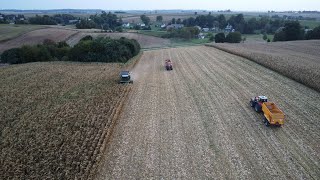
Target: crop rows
x=57, y=118
x=296, y=60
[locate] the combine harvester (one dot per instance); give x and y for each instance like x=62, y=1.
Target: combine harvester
x=272, y=114
x=125, y=77
x=168, y=65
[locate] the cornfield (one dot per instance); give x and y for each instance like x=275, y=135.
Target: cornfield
x=56, y=118
x=298, y=60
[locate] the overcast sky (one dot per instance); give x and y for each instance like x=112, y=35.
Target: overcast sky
x=243, y=5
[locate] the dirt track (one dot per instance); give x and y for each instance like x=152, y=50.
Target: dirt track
x=195, y=122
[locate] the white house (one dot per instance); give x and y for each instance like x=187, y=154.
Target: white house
x=205, y=29
x=163, y=26
x=229, y=28
x=126, y=25
x=175, y=26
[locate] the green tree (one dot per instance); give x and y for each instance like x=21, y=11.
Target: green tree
x=220, y=38
x=173, y=20
x=222, y=21
x=313, y=34
x=145, y=19
x=233, y=37
x=265, y=37
x=159, y=18
x=293, y=31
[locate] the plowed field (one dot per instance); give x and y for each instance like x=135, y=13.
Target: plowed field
x=37, y=37
x=195, y=122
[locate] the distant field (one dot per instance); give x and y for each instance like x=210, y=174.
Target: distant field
x=310, y=24
x=10, y=31
x=56, y=118
x=298, y=60
x=37, y=37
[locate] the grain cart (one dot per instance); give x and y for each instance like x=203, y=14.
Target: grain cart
x=272, y=114
x=125, y=77
x=168, y=65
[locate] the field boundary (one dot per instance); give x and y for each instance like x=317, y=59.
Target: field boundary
x=315, y=87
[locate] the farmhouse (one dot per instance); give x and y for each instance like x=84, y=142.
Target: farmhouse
x=126, y=25
x=175, y=26
x=205, y=29
x=73, y=21
x=229, y=28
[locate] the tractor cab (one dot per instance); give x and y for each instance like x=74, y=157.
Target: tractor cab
x=262, y=99
x=125, y=77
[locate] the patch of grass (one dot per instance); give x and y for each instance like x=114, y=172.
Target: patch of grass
x=310, y=24
x=11, y=31
x=256, y=37
x=153, y=33
x=191, y=42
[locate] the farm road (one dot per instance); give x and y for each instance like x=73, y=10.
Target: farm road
x=195, y=122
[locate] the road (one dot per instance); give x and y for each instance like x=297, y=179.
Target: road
x=195, y=122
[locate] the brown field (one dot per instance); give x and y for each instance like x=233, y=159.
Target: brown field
x=144, y=40
x=195, y=122
x=298, y=60
x=37, y=37
x=56, y=118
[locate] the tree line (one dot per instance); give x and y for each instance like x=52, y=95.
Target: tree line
x=87, y=50
x=106, y=21
x=39, y=20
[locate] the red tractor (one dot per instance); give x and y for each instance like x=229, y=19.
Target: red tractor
x=168, y=65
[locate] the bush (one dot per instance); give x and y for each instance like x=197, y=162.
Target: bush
x=210, y=37
x=313, y=34
x=87, y=50
x=87, y=38
x=11, y=56
x=233, y=37
x=220, y=38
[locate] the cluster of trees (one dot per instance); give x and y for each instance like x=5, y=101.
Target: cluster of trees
x=183, y=33
x=106, y=21
x=18, y=19
x=87, y=50
x=43, y=20
x=232, y=37
x=313, y=34
x=48, y=51
x=145, y=19
x=292, y=30
x=263, y=24
x=105, y=50
x=40, y=20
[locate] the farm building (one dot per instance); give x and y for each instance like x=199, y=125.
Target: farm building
x=229, y=28
x=175, y=26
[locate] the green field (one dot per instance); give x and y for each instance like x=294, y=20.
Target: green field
x=310, y=24
x=10, y=31
x=153, y=33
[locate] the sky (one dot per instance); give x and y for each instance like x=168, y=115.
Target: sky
x=240, y=5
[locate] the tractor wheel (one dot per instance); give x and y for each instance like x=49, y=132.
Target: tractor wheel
x=267, y=123
x=257, y=108
x=251, y=103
